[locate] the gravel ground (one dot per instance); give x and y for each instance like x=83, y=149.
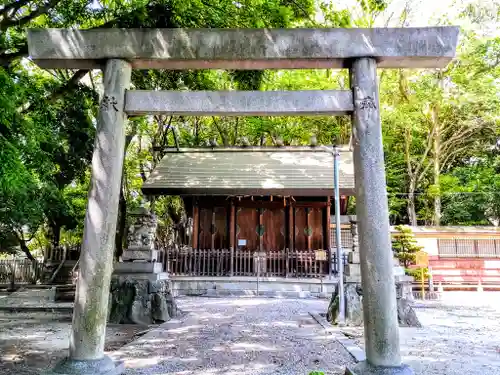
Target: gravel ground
x=226, y=336
x=238, y=336
x=460, y=335
x=32, y=342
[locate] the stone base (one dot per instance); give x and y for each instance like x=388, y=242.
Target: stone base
x=364, y=368
x=140, y=301
x=406, y=315
x=104, y=366
x=354, y=307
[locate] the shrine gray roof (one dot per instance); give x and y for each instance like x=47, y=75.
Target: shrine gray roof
x=284, y=171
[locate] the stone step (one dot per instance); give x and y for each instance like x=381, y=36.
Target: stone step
x=46, y=294
x=143, y=276
x=65, y=293
x=262, y=293
x=58, y=308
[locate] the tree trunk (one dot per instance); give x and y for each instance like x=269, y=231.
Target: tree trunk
x=54, y=234
x=122, y=223
x=26, y=251
x=415, y=173
x=122, y=205
x=412, y=214
x=24, y=247
x=235, y=140
x=437, y=201
x=436, y=220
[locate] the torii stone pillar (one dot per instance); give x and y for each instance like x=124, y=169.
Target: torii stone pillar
x=376, y=258
x=361, y=50
x=86, y=351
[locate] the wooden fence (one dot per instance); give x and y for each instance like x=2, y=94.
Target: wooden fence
x=21, y=271
x=225, y=262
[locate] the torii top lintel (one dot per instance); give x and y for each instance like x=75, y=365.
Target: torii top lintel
x=427, y=47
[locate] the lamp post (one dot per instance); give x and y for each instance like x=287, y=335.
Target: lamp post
x=340, y=258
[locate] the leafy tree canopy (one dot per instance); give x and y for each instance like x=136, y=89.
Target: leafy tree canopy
x=440, y=126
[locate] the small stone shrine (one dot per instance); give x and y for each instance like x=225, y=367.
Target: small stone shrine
x=140, y=290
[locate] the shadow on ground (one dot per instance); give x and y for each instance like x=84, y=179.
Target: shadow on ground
x=32, y=342
x=460, y=335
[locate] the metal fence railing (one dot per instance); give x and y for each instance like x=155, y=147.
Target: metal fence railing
x=469, y=248
x=346, y=239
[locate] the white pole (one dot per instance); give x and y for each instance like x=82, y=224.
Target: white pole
x=338, y=244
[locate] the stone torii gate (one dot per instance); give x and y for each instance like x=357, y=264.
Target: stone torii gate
x=118, y=51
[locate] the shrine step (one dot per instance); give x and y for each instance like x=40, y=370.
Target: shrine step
x=65, y=293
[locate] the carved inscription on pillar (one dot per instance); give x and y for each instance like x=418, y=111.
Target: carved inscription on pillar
x=109, y=101
x=367, y=103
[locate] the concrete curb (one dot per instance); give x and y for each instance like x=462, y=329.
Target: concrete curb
x=353, y=349
x=350, y=345
x=330, y=329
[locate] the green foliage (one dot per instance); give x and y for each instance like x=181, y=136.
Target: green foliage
x=436, y=121
x=416, y=273
x=20, y=203
x=405, y=246
x=473, y=192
